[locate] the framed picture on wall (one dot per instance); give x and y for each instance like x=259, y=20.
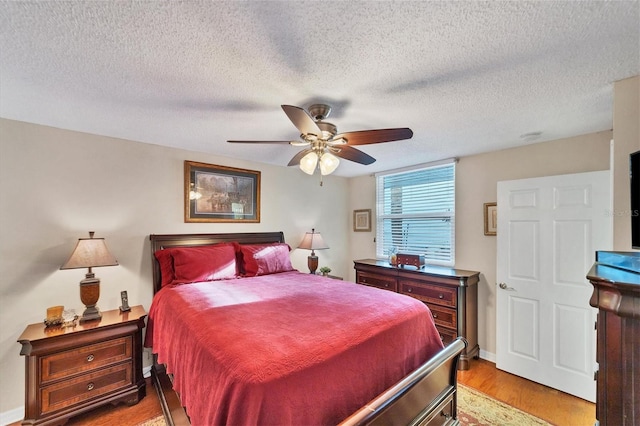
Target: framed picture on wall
x=362, y=220
x=215, y=193
x=490, y=218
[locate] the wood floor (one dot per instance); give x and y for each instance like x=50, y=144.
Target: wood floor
x=549, y=404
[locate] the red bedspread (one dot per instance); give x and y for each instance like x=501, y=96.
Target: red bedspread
x=285, y=349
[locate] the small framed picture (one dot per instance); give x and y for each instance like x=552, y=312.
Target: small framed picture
x=490, y=218
x=362, y=220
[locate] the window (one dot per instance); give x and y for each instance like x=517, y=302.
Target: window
x=416, y=213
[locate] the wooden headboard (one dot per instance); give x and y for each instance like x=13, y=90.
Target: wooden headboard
x=161, y=242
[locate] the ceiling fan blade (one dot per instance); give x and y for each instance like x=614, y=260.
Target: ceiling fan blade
x=296, y=158
x=302, y=120
x=287, y=142
x=353, y=154
x=364, y=137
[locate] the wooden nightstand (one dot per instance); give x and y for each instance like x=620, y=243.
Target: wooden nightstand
x=76, y=369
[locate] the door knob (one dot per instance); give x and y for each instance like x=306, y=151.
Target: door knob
x=506, y=287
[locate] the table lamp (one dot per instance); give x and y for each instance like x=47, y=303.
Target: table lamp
x=313, y=241
x=90, y=253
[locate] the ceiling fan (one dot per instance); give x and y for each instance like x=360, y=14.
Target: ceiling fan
x=323, y=142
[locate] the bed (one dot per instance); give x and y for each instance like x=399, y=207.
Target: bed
x=239, y=337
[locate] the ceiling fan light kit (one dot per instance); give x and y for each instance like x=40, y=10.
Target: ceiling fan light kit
x=324, y=143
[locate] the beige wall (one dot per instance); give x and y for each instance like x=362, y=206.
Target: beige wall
x=626, y=136
x=56, y=185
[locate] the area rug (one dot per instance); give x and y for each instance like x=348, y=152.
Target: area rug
x=158, y=421
x=478, y=409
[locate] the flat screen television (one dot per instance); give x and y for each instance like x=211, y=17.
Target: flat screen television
x=634, y=169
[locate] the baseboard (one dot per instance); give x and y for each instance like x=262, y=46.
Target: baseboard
x=12, y=416
x=17, y=414
x=489, y=356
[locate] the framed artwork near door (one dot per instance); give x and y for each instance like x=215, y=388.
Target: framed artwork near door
x=490, y=218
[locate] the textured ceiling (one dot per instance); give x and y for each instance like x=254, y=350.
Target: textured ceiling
x=467, y=77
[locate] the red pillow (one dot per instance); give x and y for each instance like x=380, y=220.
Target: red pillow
x=165, y=260
x=263, y=259
x=204, y=263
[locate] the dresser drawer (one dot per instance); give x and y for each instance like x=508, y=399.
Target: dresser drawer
x=379, y=281
x=85, y=387
x=84, y=359
x=439, y=295
x=445, y=317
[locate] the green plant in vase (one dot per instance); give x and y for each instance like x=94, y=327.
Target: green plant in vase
x=325, y=270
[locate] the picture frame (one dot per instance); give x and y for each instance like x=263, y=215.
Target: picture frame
x=214, y=193
x=490, y=219
x=362, y=220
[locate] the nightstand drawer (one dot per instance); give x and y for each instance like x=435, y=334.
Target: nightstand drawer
x=87, y=386
x=91, y=357
x=447, y=336
x=377, y=281
x=439, y=295
x=445, y=317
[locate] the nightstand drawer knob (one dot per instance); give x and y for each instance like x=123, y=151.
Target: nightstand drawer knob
x=441, y=296
x=409, y=290
x=90, y=386
x=90, y=358
x=435, y=316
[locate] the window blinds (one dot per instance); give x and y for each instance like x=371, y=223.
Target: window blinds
x=416, y=213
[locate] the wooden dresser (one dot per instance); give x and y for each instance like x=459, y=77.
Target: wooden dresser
x=450, y=294
x=70, y=370
x=616, y=293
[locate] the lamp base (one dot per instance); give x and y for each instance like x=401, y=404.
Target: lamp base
x=89, y=295
x=312, y=263
x=92, y=313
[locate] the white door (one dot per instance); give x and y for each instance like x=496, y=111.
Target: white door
x=548, y=231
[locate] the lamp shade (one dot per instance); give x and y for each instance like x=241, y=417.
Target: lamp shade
x=90, y=253
x=313, y=241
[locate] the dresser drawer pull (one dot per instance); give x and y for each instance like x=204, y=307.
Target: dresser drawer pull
x=90, y=358
x=90, y=386
x=409, y=290
x=441, y=296
x=386, y=285
x=364, y=280
x=435, y=316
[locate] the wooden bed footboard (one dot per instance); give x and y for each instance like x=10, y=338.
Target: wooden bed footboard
x=427, y=396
